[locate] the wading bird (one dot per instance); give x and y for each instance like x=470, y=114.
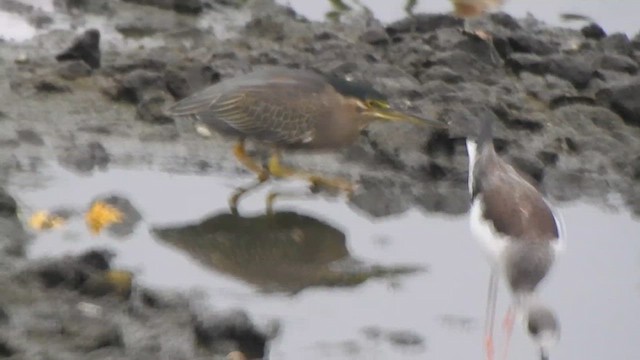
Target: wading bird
x=288, y=109
x=473, y=9
x=518, y=230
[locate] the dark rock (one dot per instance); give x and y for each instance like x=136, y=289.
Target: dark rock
x=8, y=206
x=6, y=349
x=547, y=88
x=134, y=85
x=403, y=154
x=375, y=36
x=505, y=20
x=635, y=42
x=564, y=100
x=151, y=110
x=448, y=199
x=548, y=157
x=524, y=42
x=141, y=27
x=29, y=137
x=96, y=259
x=4, y=317
x=502, y=46
x=324, y=36
x=443, y=73
x=532, y=167
x=188, y=6
x=532, y=63
x=266, y=27
x=13, y=238
x=40, y=20
x=90, y=334
x=624, y=99
x=127, y=66
x=576, y=69
x=479, y=49
x=160, y=133
x=440, y=144
x=181, y=82
x=58, y=274
x=380, y=197
x=131, y=216
x=464, y=64
x=404, y=338
x=604, y=78
x=74, y=69
x=86, y=48
x=50, y=85
x=114, y=282
x=532, y=122
x=424, y=23
x=619, y=63
x=448, y=37
x=183, y=6
x=232, y=330
x=618, y=43
x=593, y=31
x=91, y=6
x=85, y=157
x=635, y=168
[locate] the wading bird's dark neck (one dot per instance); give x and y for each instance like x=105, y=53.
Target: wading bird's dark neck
x=481, y=152
x=481, y=157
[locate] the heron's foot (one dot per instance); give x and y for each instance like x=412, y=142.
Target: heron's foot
x=335, y=184
x=234, y=199
x=271, y=198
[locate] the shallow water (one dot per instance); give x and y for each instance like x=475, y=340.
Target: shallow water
x=594, y=287
x=612, y=15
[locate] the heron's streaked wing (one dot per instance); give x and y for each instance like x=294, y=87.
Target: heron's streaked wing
x=204, y=99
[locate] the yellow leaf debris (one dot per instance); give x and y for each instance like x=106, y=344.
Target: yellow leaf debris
x=43, y=220
x=102, y=215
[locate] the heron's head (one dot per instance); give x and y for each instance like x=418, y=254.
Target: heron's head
x=371, y=105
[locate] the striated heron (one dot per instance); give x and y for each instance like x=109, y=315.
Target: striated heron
x=288, y=109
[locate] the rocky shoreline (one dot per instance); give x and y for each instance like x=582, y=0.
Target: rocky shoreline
x=566, y=104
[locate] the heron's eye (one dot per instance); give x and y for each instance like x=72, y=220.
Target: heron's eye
x=377, y=104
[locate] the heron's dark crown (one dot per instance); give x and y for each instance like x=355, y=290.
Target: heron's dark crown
x=355, y=89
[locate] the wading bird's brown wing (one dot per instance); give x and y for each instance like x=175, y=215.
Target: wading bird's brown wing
x=516, y=209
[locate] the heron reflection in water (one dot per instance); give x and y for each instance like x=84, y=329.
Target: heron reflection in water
x=285, y=251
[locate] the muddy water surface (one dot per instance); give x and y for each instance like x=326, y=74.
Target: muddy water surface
x=434, y=313
x=612, y=15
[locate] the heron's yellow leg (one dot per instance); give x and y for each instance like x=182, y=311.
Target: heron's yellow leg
x=263, y=175
x=271, y=198
x=242, y=156
x=278, y=170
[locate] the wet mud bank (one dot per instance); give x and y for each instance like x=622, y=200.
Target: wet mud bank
x=566, y=105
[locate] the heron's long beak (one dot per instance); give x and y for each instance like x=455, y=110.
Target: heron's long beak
x=393, y=115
